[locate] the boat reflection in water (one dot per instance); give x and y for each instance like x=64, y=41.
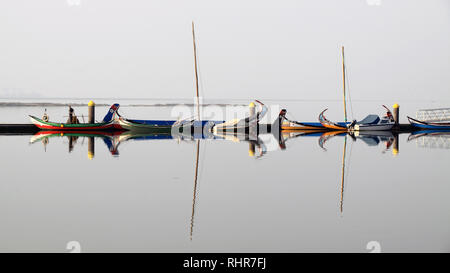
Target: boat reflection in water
x=370, y=138
x=112, y=140
x=73, y=136
x=432, y=139
x=259, y=145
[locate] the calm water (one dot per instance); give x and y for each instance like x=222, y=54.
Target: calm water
x=278, y=200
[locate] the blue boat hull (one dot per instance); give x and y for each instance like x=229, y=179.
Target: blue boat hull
x=154, y=122
x=426, y=125
x=430, y=126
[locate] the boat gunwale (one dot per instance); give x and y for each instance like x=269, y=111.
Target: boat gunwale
x=71, y=126
x=414, y=122
x=136, y=124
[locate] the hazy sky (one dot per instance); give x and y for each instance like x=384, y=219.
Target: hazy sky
x=247, y=49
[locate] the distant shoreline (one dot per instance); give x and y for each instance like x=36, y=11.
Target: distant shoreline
x=56, y=104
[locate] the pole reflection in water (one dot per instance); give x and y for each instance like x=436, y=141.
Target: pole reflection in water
x=341, y=205
x=395, y=148
x=370, y=139
x=257, y=147
x=195, y=187
x=72, y=142
x=91, y=147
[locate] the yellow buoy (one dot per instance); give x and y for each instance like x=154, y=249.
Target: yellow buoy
x=251, y=108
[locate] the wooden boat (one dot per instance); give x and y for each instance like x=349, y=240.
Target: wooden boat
x=374, y=123
x=47, y=125
x=429, y=125
x=145, y=125
x=340, y=126
x=291, y=125
x=137, y=125
x=194, y=129
x=108, y=123
x=242, y=125
x=369, y=123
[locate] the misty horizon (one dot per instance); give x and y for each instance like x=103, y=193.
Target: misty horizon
x=288, y=50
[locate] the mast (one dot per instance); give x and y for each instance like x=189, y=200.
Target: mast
x=343, y=83
x=196, y=72
x=198, y=141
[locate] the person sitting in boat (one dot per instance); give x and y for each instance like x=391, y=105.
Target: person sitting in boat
x=72, y=117
x=388, y=114
x=282, y=114
x=45, y=116
x=281, y=117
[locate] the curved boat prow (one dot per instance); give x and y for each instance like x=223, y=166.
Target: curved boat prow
x=262, y=112
x=112, y=110
x=32, y=119
x=329, y=124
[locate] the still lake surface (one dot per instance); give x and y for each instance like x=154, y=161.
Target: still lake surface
x=277, y=200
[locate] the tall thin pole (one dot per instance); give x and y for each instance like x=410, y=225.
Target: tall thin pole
x=198, y=141
x=343, y=82
x=196, y=72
